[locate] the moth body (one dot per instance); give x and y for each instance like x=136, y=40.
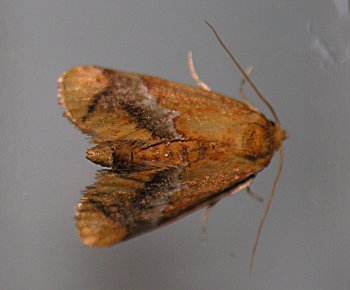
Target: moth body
x=171, y=148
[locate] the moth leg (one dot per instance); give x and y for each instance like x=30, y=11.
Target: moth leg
x=242, y=186
x=254, y=195
x=194, y=74
x=204, y=220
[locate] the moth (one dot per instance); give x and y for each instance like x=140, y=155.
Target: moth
x=170, y=148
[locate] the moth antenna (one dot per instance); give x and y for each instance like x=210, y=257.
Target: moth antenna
x=241, y=91
x=266, y=210
x=281, y=151
x=245, y=75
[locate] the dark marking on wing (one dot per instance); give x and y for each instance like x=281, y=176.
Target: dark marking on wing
x=95, y=100
x=138, y=212
x=131, y=95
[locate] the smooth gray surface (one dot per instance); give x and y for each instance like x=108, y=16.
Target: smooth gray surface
x=301, y=54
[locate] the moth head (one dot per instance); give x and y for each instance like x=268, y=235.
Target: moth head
x=279, y=135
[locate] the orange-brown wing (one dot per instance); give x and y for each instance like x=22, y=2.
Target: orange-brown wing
x=120, y=206
x=112, y=106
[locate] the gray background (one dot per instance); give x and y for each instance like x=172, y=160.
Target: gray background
x=301, y=54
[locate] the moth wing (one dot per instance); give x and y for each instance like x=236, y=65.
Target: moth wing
x=112, y=106
x=118, y=207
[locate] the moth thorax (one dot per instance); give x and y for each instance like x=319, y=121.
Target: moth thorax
x=101, y=154
x=255, y=141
